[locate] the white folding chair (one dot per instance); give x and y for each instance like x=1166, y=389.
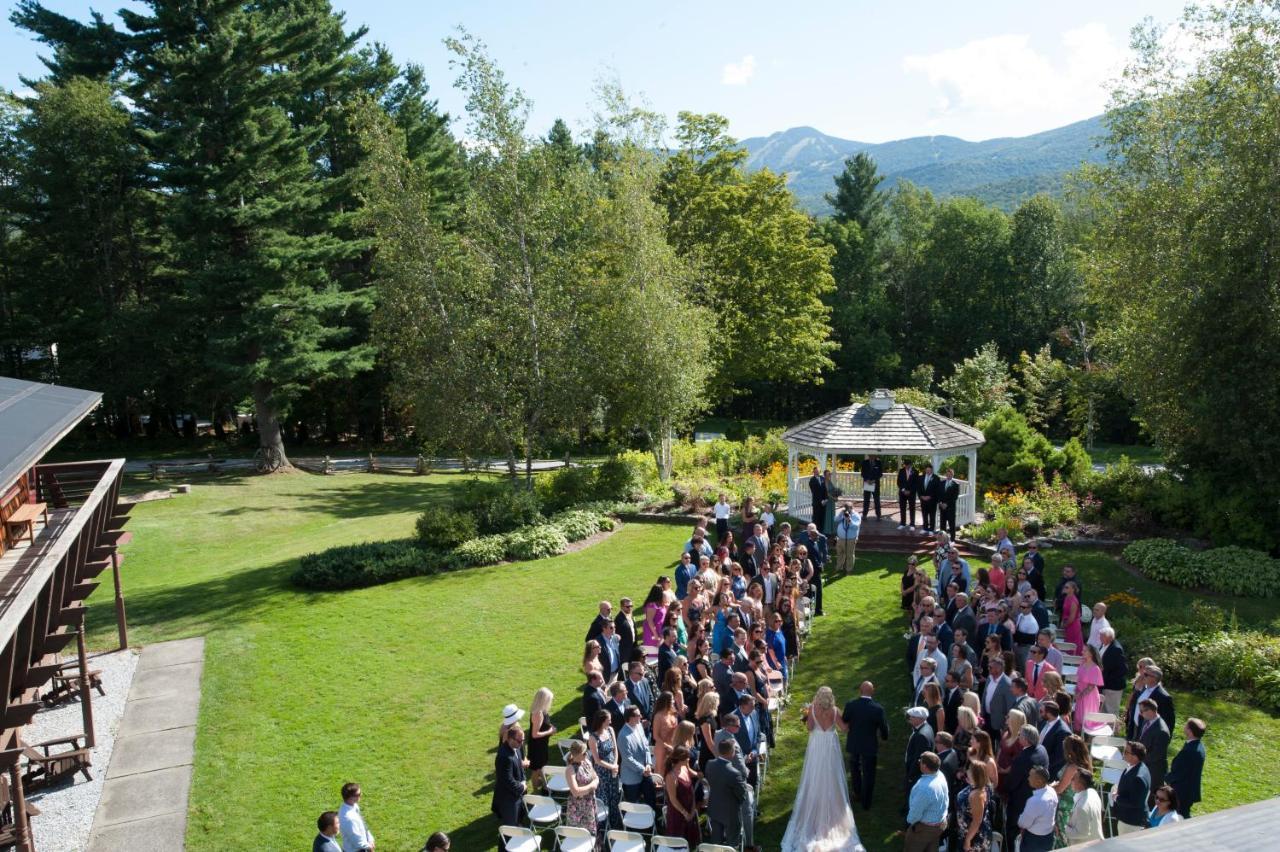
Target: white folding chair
x=660, y=843
x=625, y=841
x=714, y=847
x=1069, y=688
x=637, y=816
x=997, y=842
x=571, y=839
x=565, y=744
x=1064, y=646
x=583, y=733
x=1099, y=724
x=557, y=781
x=519, y=839
x=1112, y=770
x=1106, y=748
x=1071, y=659
x=543, y=812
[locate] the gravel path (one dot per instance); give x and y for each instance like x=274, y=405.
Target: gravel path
x=66, y=811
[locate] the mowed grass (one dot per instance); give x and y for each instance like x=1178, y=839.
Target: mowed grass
x=399, y=686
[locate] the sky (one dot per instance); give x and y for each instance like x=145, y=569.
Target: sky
x=856, y=69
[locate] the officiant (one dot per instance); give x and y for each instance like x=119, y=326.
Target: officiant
x=872, y=471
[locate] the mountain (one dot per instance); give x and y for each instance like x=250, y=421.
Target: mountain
x=1003, y=172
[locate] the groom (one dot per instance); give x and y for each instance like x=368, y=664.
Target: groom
x=865, y=718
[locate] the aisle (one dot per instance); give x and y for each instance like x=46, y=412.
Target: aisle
x=860, y=637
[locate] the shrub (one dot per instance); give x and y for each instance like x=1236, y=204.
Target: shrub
x=357, y=565
x=623, y=477
x=1013, y=451
x=1165, y=560
x=1075, y=466
x=578, y=524
x=536, y=542
x=761, y=452
x=568, y=486
x=1217, y=659
x=486, y=550
x=445, y=529
x=1227, y=570
x=498, y=506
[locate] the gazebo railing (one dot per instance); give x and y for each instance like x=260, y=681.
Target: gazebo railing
x=800, y=501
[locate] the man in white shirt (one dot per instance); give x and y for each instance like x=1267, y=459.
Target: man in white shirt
x=932, y=652
x=1085, y=822
x=356, y=836
x=722, y=510
x=1098, y=624
x=1038, y=815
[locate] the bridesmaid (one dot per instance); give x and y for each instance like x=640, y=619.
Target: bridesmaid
x=1072, y=629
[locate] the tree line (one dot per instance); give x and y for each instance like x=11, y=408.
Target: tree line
x=244, y=207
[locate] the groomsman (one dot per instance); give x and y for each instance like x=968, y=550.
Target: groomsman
x=872, y=471
x=948, y=497
x=908, y=491
x=818, y=496
x=930, y=490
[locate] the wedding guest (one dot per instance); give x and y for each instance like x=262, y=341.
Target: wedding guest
x=1072, y=629
x=540, y=732
x=591, y=659
x=682, y=808
x=604, y=757
x=580, y=808
x=1129, y=797
x=509, y=785
x=437, y=842
x=655, y=612
x=1037, y=818
x=1188, y=766
x=1077, y=760
x=722, y=510
x=1021, y=788
x=981, y=751
x=638, y=778
x=328, y=827
x=975, y=810
x=1011, y=746
x=1165, y=811
x=1085, y=822
x=1098, y=624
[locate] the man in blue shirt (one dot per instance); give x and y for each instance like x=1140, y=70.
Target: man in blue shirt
x=927, y=807
x=848, y=525
x=637, y=761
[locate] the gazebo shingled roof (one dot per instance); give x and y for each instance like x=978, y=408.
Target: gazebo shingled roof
x=902, y=428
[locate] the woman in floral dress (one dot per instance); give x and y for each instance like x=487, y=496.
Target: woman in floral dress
x=580, y=809
x=975, y=807
x=604, y=756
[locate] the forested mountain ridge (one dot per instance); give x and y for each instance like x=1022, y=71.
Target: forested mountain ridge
x=1000, y=171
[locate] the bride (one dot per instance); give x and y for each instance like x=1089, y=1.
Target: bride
x=821, y=819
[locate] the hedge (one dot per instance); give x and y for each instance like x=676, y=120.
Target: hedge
x=445, y=529
x=1208, y=660
x=1227, y=570
x=372, y=563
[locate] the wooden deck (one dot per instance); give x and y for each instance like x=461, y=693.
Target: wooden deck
x=19, y=561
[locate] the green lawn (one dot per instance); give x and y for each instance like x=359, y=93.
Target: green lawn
x=1104, y=453
x=399, y=686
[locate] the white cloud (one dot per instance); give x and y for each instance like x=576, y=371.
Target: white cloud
x=738, y=73
x=1013, y=87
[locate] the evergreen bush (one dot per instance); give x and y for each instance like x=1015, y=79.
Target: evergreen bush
x=445, y=529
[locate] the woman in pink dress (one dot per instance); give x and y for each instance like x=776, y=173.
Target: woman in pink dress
x=1072, y=629
x=1088, y=686
x=655, y=613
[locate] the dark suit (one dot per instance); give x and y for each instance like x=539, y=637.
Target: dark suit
x=667, y=657
x=867, y=728
x=1054, y=741
x=920, y=742
x=1132, y=791
x=626, y=630
x=968, y=622
x=508, y=785
x=930, y=494
x=986, y=629
x=949, y=768
x=593, y=700
x=639, y=695
x=952, y=701
x=1184, y=775
x=1029, y=707
x=872, y=470
x=950, y=495
x=1115, y=670
x=817, y=548
x=1133, y=717
x=724, y=802
x=617, y=715
x=818, y=496
x=1019, y=785
x=597, y=627
x=908, y=491
x=1155, y=737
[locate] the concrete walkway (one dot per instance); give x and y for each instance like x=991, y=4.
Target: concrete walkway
x=144, y=800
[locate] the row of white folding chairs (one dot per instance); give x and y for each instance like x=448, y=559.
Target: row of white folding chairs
x=570, y=839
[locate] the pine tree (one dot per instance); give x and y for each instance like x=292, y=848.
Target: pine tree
x=210, y=86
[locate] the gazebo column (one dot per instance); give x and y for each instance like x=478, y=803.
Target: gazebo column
x=973, y=486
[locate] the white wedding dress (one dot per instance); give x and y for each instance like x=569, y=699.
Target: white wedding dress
x=821, y=819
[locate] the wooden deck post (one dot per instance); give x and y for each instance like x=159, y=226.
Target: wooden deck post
x=21, y=826
x=86, y=693
x=122, y=625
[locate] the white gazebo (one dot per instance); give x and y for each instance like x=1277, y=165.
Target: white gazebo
x=888, y=430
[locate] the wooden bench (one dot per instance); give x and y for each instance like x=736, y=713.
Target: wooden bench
x=26, y=516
